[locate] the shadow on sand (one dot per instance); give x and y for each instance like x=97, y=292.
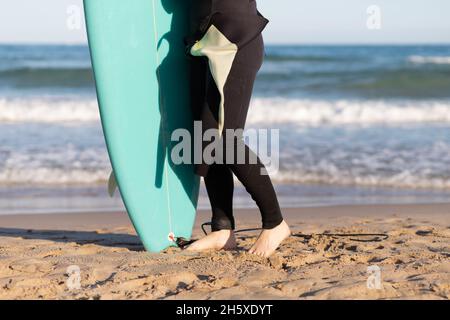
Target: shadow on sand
x=117, y=240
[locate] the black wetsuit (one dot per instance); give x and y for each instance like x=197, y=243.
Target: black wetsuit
x=233, y=25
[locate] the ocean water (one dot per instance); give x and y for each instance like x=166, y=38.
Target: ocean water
x=358, y=124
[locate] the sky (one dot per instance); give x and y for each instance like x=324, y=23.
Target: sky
x=291, y=21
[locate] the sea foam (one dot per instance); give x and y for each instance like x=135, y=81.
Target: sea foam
x=429, y=59
x=308, y=112
x=342, y=112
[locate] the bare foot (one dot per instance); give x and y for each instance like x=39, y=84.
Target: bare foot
x=218, y=240
x=269, y=240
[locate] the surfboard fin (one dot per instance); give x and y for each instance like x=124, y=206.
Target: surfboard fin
x=112, y=184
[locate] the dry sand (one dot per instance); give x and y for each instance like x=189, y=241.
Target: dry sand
x=36, y=250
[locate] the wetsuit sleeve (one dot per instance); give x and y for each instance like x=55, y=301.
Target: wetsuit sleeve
x=239, y=29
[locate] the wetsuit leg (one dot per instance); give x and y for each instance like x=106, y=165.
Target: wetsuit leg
x=235, y=51
x=250, y=172
x=258, y=185
x=220, y=185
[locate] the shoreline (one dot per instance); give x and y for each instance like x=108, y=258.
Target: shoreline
x=71, y=199
x=432, y=211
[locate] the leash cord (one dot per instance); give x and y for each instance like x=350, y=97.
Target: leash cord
x=377, y=237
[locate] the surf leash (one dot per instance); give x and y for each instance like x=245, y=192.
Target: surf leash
x=376, y=237
x=183, y=242
x=165, y=138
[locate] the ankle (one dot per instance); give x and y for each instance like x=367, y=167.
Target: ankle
x=278, y=225
x=223, y=232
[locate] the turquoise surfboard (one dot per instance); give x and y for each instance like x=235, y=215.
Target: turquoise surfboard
x=142, y=82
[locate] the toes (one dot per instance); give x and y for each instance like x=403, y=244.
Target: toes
x=256, y=252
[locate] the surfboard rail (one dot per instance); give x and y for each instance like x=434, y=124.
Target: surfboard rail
x=142, y=83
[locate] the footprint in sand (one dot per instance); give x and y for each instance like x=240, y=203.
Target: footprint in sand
x=30, y=266
x=88, y=249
